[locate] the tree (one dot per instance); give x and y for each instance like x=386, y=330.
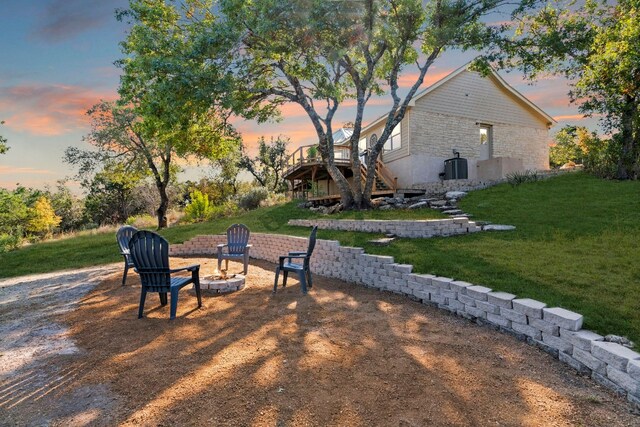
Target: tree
x=568, y=146
x=318, y=54
x=155, y=121
x=110, y=193
x=597, y=46
x=68, y=207
x=252, y=57
x=267, y=167
x=3, y=142
x=42, y=218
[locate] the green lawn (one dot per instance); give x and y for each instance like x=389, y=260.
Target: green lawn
x=575, y=245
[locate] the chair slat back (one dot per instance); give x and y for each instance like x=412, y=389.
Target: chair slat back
x=150, y=256
x=312, y=241
x=237, y=238
x=123, y=236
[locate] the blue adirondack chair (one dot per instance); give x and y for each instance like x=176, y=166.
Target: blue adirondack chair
x=150, y=255
x=300, y=268
x=123, y=236
x=237, y=246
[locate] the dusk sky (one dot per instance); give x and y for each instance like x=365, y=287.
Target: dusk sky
x=58, y=61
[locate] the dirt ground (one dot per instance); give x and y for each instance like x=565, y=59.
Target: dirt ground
x=343, y=355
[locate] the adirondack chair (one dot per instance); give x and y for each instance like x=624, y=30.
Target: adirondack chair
x=300, y=268
x=237, y=247
x=123, y=236
x=150, y=255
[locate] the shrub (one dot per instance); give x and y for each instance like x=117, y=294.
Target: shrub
x=224, y=210
x=252, y=199
x=9, y=242
x=602, y=156
x=517, y=178
x=42, y=218
x=199, y=208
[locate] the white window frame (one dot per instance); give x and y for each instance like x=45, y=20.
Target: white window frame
x=395, y=139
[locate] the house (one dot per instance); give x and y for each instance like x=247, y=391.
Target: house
x=493, y=129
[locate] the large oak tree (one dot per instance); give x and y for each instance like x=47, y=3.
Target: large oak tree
x=597, y=46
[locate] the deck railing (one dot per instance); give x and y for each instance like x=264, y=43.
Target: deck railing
x=308, y=154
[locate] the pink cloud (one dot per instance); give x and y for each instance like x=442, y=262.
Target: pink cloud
x=406, y=80
x=568, y=117
x=48, y=110
x=12, y=170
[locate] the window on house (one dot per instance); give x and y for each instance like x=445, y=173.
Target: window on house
x=395, y=139
x=362, y=145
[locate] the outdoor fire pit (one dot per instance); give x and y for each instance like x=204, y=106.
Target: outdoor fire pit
x=222, y=283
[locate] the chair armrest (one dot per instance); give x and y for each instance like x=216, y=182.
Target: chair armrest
x=298, y=253
x=222, y=245
x=191, y=268
x=249, y=246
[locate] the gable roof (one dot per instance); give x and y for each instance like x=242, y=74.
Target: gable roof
x=499, y=80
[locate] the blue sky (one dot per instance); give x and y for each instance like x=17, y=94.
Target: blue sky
x=57, y=61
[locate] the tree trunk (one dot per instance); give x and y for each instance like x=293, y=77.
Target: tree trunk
x=628, y=159
x=162, y=209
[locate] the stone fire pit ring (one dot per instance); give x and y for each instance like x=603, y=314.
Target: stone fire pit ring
x=212, y=285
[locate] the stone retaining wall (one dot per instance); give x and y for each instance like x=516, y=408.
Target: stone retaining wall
x=555, y=330
x=401, y=228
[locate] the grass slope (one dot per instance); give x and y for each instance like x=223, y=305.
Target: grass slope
x=575, y=246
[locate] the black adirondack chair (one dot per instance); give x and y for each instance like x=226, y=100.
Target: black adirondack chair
x=123, y=236
x=300, y=268
x=237, y=246
x=150, y=255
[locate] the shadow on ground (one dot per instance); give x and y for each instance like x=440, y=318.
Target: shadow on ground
x=342, y=355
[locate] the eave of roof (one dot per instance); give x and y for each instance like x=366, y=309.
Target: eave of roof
x=550, y=120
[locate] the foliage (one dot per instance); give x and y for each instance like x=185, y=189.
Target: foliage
x=601, y=158
x=225, y=210
x=252, y=57
x=516, y=178
x=597, y=46
x=9, y=242
x=68, y=207
x=110, y=198
x=270, y=163
x=199, y=208
x=3, y=144
x=574, y=241
x=252, y=199
x=312, y=152
x=568, y=146
x=153, y=122
x=42, y=218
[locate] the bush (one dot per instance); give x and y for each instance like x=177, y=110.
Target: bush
x=198, y=209
x=252, y=199
x=224, y=210
x=602, y=157
x=9, y=242
x=517, y=178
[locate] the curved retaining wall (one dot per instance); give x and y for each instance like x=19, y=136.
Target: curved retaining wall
x=401, y=228
x=555, y=330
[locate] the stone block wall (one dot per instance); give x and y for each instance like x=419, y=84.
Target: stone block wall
x=401, y=228
x=553, y=329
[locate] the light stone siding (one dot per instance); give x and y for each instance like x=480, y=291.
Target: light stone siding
x=448, y=118
x=556, y=331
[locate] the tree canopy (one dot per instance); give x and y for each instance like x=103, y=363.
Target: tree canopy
x=3, y=143
x=596, y=46
x=252, y=57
